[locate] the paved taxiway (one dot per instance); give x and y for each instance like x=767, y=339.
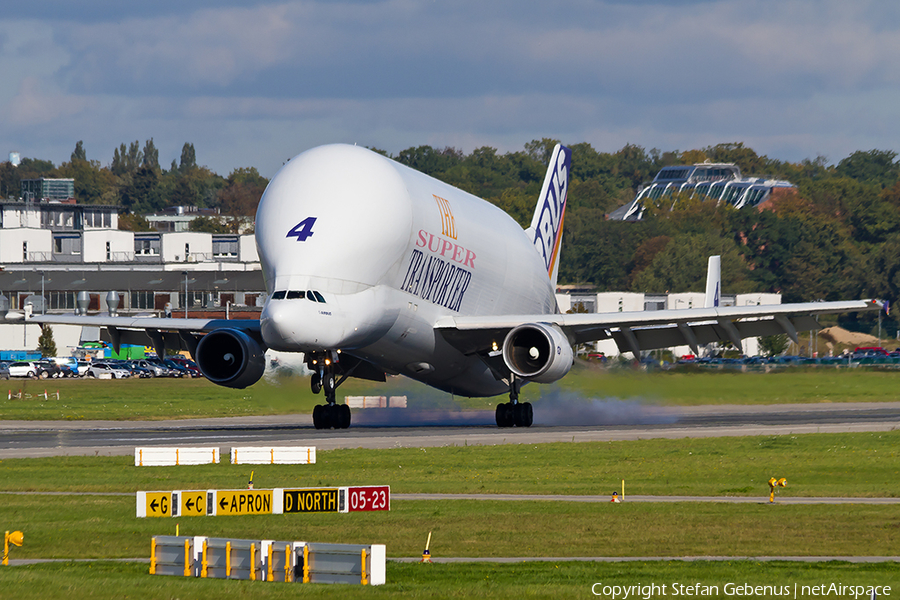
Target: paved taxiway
x=372, y=429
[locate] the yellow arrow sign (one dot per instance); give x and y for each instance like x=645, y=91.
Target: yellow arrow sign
x=192, y=504
x=243, y=502
x=159, y=504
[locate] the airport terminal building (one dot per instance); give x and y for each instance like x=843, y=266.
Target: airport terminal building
x=50, y=251
x=719, y=182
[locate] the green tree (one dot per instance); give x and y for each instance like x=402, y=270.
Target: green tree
x=875, y=166
x=774, y=345
x=151, y=156
x=134, y=222
x=188, y=158
x=141, y=194
x=46, y=345
x=209, y=225
x=79, y=153
x=681, y=266
x=127, y=160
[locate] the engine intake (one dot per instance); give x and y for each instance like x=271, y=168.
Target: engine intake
x=231, y=358
x=538, y=352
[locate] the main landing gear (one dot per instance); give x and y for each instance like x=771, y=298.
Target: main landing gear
x=514, y=412
x=330, y=415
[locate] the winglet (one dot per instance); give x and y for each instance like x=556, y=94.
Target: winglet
x=713, y=282
x=547, y=223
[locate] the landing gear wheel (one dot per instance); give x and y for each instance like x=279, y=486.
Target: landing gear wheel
x=328, y=384
x=523, y=415
x=315, y=383
x=318, y=413
x=343, y=416
x=504, y=414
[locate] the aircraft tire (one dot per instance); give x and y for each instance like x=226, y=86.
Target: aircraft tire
x=524, y=414
x=504, y=414
x=317, y=416
x=328, y=383
x=315, y=383
x=344, y=416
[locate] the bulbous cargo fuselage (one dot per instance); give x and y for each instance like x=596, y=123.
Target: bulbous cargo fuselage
x=363, y=254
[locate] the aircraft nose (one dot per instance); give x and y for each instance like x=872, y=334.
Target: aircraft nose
x=299, y=325
x=276, y=325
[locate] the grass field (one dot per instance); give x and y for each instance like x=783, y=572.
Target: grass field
x=848, y=464
x=177, y=399
x=80, y=523
x=75, y=581
x=73, y=525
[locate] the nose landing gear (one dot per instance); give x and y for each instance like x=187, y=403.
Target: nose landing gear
x=330, y=415
x=514, y=413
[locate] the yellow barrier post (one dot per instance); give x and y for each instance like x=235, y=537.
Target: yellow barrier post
x=227, y=559
x=306, y=564
x=204, y=570
x=287, y=563
x=364, y=580
x=252, y=562
x=153, y=556
x=187, y=558
x=271, y=570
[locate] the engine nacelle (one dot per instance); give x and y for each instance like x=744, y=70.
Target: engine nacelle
x=231, y=358
x=538, y=352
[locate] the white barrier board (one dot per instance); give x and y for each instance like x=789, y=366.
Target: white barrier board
x=375, y=401
x=168, y=457
x=274, y=455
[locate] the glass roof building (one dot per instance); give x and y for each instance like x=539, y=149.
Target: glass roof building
x=721, y=182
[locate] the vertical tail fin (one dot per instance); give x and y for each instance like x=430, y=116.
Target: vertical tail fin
x=713, y=282
x=547, y=223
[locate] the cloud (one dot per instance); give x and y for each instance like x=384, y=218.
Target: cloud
x=266, y=80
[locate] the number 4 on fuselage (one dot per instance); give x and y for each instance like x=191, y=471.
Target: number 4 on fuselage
x=303, y=230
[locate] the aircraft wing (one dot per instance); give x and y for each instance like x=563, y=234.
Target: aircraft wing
x=161, y=333
x=649, y=330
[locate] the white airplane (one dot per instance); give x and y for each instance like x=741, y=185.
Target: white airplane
x=373, y=268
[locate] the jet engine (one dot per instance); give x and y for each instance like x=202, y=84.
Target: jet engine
x=231, y=358
x=538, y=352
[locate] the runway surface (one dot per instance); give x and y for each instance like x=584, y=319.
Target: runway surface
x=396, y=428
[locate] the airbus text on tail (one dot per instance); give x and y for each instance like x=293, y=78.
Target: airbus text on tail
x=713, y=282
x=547, y=223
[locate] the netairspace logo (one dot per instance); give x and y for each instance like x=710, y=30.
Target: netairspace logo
x=741, y=590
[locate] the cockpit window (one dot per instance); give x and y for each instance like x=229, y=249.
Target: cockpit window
x=314, y=296
x=295, y=294
x=319, y=296
x=279, y=295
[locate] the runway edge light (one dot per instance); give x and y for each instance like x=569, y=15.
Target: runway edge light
x=426, y=554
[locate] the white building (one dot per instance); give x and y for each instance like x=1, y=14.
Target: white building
x=611, y=302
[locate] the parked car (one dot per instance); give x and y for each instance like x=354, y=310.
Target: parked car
x=115, y=371
x=137, y=370
x=4, y=370
x=184, y=370
x=48, y=369
x=156, y=369
x=23, y=369
x=188, y=364
x=81, y=368
x=166, y=370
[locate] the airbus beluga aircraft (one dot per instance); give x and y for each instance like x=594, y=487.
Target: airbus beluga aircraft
x=373, y=268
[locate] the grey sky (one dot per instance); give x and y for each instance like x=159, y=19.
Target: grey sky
x=253, y=83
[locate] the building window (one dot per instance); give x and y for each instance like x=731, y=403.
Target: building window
x=143, y=300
